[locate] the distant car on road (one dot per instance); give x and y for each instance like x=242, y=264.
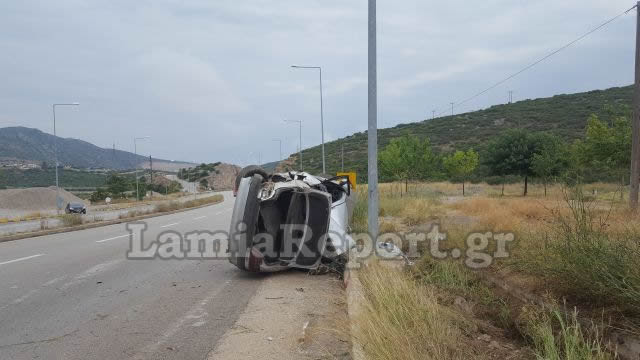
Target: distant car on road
x=75, y=208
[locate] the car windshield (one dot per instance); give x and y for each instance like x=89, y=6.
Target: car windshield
x=75, y=205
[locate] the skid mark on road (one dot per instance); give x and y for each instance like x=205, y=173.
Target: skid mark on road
x=223, y=211
x=91, y=272
x=33, y=292
x=197, y=313
x=21, y=259
x=54, y=280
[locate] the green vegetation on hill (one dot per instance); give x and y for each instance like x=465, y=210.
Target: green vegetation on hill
x=15, y=178
x=562, y=115
x=197, y=173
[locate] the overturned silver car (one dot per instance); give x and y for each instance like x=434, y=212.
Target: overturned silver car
x=288, y=220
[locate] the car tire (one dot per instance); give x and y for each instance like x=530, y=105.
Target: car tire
x=249, y=171
x=250, y=218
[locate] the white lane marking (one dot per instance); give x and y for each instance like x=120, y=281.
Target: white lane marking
x=113, y=238
x=21, y=259
x=164, y=226
x=200, y=217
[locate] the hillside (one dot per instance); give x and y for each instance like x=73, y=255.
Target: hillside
x=218, y=176
x=564, y=115
x=15, y=178
x=23, y=143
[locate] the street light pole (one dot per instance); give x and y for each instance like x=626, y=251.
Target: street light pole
x=135, y=151
x=300, y=149
x=372, y=111
x=324, y=168
x=55, y=150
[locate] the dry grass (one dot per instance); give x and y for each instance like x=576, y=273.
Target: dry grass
x=402, y=320
x=166, y=207
x=387, y=227
x=500, y=214
x=582, y=244
x=557, y=335
x=71, y=220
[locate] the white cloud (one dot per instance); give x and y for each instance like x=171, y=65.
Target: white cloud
x=215, y=77
x=187, y=83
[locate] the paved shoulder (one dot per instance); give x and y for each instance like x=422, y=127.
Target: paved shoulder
x=292, y=316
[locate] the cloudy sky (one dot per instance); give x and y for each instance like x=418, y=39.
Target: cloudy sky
x=211, y=80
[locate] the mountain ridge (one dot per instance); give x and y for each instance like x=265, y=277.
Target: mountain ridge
x=34, y=145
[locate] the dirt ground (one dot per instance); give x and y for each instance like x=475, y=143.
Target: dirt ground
x=292, y=316
x=15, y=202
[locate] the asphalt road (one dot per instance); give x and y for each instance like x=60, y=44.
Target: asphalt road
x=76, y=295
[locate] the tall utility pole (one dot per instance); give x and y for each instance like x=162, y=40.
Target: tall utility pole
x=635, y=139
x=433, y=114
x=452, y=108
x=510, y=96
x=324, y=169
x=55, y=152
x=135, y=152
x=151, y=175
x=300, y=148
x=372, y=134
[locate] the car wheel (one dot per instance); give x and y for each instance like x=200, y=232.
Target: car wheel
x=250, y=219
x=249, y=171
x=84, y=212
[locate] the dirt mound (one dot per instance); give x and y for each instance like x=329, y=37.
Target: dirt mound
x=224, y=177
x=289, y=164
x=38, y=198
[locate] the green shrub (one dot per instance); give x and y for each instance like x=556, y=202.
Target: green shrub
x=559, y=336
x=584, y=261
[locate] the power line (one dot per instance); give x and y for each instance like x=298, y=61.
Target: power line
x=541, y=59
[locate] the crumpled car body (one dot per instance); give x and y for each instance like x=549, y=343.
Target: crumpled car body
x=289, y=220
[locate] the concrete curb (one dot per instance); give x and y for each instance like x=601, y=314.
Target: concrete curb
x=355, y=298
x=96, y=224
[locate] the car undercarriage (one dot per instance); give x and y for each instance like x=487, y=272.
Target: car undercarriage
x=288, y=220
